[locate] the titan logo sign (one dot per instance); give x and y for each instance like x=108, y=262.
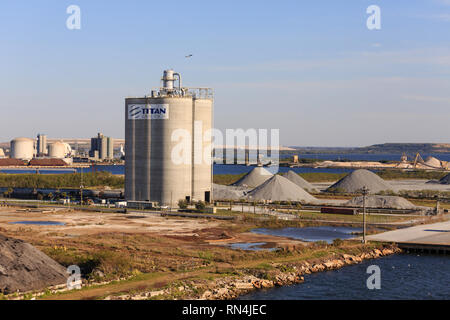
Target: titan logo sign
x=148, y=111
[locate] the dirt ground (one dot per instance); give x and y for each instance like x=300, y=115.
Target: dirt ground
x=147, y=251
x=81, y=224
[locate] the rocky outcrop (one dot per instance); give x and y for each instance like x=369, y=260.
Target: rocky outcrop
x=25, y=268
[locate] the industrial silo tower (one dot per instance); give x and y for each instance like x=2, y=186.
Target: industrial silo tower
x=168, y=144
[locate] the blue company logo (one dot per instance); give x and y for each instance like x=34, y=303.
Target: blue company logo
x=157, y=111
x=154, y=110
x=134, y=111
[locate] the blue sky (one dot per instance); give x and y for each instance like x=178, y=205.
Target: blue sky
x=310, y=68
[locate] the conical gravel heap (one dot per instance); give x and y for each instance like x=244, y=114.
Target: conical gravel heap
x=356, y=180
x=433, y=162
x=302, y=183
x=445, y=180
x=254, y=178
x=389, y=202
x=279, y=188
x=222, y=192
x=25, y=268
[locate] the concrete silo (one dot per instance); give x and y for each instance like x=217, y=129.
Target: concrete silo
x=22, y=148
x=165, y=152
x=57, y=150
x=42, y=146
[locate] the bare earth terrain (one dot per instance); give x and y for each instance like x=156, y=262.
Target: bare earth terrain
x=79, y=224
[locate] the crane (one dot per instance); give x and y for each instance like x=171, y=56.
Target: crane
x=418, y=159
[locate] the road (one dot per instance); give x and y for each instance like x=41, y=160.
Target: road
x=428, y=234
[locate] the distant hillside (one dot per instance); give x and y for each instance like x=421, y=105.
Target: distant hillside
x=407, y=148
x=385, y=148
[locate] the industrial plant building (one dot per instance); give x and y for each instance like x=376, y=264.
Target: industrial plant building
x=154, y=126
x=25, y=149
x=41, y=148
x=102, y=147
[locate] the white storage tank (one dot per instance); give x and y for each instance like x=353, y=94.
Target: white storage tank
x=57, y=150
x=22, y=148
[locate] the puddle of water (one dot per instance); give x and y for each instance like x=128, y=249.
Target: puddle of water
x=249, y=246
x=40, y=223
x=324, y=233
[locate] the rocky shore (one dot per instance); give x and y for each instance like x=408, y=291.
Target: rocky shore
x=253, y=279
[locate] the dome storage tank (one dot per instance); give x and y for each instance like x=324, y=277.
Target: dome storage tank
x=165, y=159
x=57, y=150
x=22, y=148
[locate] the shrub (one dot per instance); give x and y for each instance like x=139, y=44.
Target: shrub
x=200, y=206
x=182, y=204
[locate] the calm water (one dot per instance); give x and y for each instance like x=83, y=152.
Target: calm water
x=402, y=277
x=40, y=223
x=323, y=233
x=249, y=246
x=218, y=169
x=239, y=169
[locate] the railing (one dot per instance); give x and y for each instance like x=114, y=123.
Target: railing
x=201, y=93
x=197, y=93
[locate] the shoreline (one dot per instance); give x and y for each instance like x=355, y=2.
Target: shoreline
x=250, y=284
x=282, y=274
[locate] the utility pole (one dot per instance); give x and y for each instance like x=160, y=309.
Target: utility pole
x=365, y=191
x=81, y=187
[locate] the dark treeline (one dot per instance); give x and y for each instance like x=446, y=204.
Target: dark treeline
x=98, y=179
x=416, y=174
x=228, y=179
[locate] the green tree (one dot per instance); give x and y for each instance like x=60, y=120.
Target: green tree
x=200, y=206
x=182, y=204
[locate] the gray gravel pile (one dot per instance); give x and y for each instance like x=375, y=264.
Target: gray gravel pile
x=221, y=192
x=254, y=178
x=356, y=180
x=279, y=188
x=25, y=268
x=302, y=183
x=445, y=180
x=389, y=202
